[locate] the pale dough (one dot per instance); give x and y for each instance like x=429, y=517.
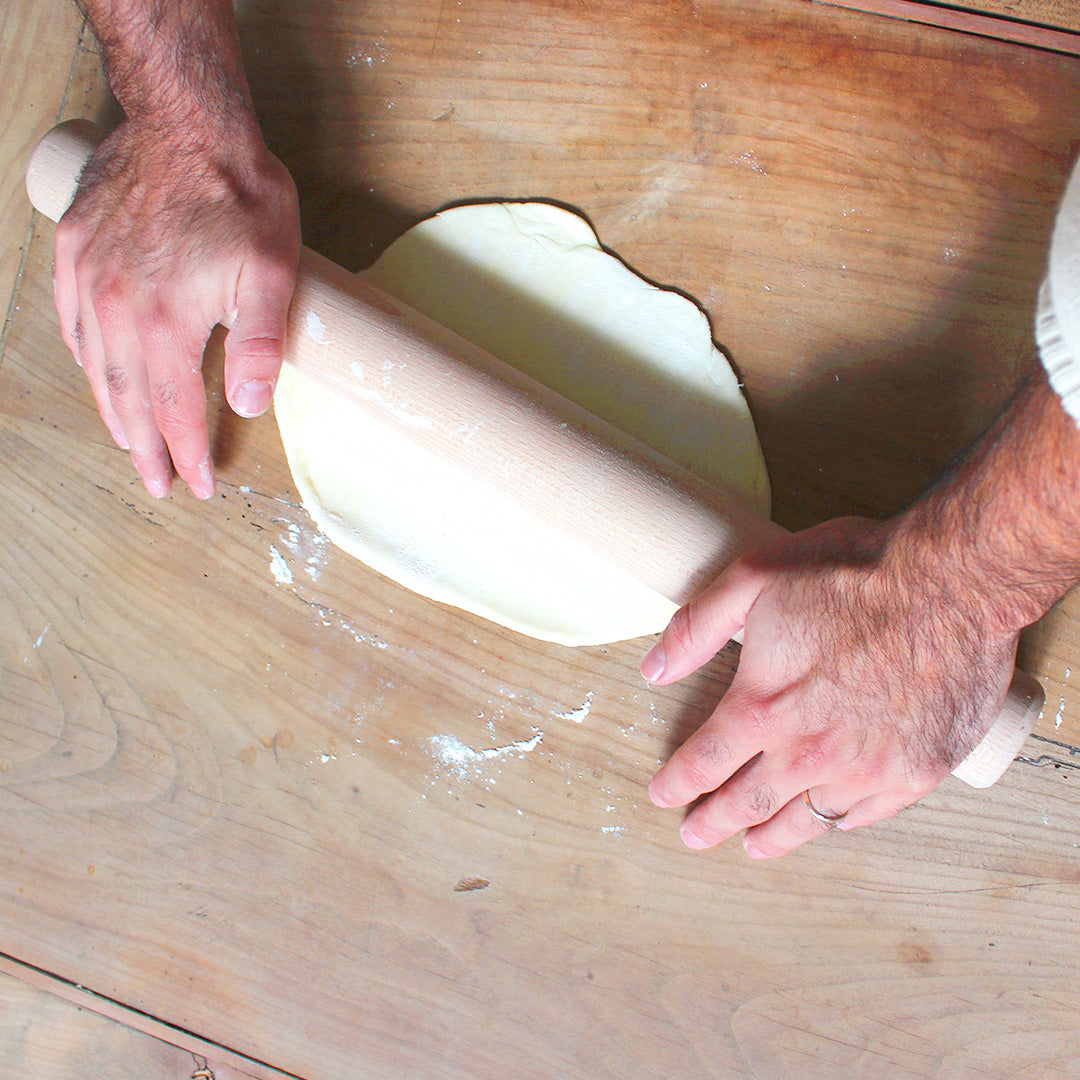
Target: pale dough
x=530, y=283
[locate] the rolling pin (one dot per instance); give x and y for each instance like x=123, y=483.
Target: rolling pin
x=640, y=511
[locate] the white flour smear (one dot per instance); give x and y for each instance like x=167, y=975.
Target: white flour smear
x=279, y=567
x=578, y=715
x=461, y=758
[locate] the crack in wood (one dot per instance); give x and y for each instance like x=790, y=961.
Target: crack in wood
x=999, y=27
x=1043, y=760
x=130, y=1016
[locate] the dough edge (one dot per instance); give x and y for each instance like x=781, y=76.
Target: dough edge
x=455, y=539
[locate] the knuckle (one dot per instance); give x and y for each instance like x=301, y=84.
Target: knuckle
x=72, y=335
x=810, y=758
x=169, y=412
x=112, y=304
x=167, y=395
x=920, y=787
x=698, y=775
x=260, y=347
x=866, y=770
x=679, y=636
x=705, y=758
x=116, y=379
x=757, y=719
x=277, y=274
x=155, y=318
x=758, y=803
x=86, y=274
x=68, y=237
x=176, y=399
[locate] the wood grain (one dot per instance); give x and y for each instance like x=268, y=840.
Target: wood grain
x=37, y=46
x=1042, y=25
x=1059, y=13
x=49, y=1038
x=235, y=804
x=57, y=1030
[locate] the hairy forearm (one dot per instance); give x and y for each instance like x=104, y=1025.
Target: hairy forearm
x=173, y=63
x=1003, y=526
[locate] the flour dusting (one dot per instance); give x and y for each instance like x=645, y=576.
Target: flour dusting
x=371, y=54
x=578, y=715
x=279, y=567
x=316, y=328
x=449, y=750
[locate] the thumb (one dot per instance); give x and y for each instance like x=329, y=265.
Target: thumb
x=255, y=346
x=700, y=629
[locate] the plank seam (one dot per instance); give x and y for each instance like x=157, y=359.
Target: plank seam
x=13, y=301
x=16, y=288
x=963, y=20
x=138, y=1020
x=1045, y=760
x=1056, y=742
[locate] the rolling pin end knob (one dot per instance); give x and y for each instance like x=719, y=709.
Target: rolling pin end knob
x=986, y=764
x=57, y=162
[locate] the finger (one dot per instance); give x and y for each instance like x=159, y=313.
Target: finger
x=173, y=356
x=123, y=370
x=794, y=824
x=92, y=358
x=93, y=366
x=76, y=328
x=880, y=807
x=66, y=291
x=700, y=629
x=730, y=738
x=754, y=794
x=255, y=346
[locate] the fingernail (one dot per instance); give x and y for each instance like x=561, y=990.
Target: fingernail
x=120, y=439
x=652, y=667
x=158, y=487
x=251, y=399
x=202, y=486
x=691, y=838
x=657, y=796
x=752, y=849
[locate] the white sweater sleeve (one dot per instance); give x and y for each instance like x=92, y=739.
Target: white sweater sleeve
x=1057, y=328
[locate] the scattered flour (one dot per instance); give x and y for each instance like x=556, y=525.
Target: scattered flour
x=449, y=750
x=370, y=55
x=747, y=160
x=316, y=328
x=279, y=567
x=578, y=715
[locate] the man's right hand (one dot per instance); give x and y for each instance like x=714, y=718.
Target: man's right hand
x=172, y=232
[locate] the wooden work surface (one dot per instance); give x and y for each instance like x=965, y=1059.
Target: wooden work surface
x=227, y=819
x=1051, y=24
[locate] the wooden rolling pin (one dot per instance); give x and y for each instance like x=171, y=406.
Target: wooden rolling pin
x=640, y=511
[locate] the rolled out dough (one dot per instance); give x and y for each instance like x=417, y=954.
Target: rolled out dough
x=530, y=283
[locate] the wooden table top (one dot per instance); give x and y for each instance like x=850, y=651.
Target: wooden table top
x=229, y=816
